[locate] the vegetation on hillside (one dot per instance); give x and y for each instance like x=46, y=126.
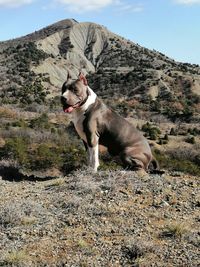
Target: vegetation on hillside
x=23, y=86
x=41, y=144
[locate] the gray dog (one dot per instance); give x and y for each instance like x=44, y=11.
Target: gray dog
x=97, y=124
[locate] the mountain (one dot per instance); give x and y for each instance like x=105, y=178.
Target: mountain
x=33, y=68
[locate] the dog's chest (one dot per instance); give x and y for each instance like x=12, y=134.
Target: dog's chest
x=78, y=124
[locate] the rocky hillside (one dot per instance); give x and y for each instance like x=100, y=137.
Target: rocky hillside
x=33, y=68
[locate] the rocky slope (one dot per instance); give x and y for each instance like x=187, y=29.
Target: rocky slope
x=115, y=66
x=104, y=219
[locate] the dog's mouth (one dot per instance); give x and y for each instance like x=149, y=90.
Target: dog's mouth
x=69, y=108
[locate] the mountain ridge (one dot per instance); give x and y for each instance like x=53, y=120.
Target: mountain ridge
x=115, y=66
x=57, y=26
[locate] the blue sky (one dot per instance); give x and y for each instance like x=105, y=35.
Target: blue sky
x=169, y=26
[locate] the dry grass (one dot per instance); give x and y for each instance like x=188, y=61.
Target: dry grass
x=17, y=258
x=175, y=230
x=2, y=142
x=56, y=182
x=101, y=219
x=28, y=220
x=8, y=113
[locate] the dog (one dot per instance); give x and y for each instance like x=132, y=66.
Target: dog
x=97, y=124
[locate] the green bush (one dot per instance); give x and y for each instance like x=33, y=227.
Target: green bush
x=46, y=156
x=194, y=131
x=20, y=123
x=190, y=140
x=183, y=115
x=177, y=164
x=166, y=137
x=73, y=157
x=41, y=122
x=151, y=132
x=164, y=140
x=173, y=132
x=31, y=93
x=16, y=149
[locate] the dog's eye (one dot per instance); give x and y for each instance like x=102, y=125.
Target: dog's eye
x=75, y=90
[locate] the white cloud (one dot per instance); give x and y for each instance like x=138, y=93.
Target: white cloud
x=95, y=5
x=14, y=3
x=85, y=5
x=129, y=7
x=187, y=2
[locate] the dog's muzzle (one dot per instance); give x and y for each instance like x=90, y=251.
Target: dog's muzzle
x=68, y=108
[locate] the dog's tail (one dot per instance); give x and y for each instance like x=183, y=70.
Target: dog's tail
x=154, y=167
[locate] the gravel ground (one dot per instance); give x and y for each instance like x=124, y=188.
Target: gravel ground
x=105, y=219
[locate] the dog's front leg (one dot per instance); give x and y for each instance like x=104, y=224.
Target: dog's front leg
x=90, y=130
x=94, y=157
x=87, y=151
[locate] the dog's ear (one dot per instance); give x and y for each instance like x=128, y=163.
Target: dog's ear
x=69, y=77
x=83, y=79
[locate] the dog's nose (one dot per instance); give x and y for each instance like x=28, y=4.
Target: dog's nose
x=63, y=99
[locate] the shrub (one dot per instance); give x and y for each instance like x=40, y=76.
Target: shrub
x=155, y=105
x=183, y=115
x=190, y=140
x=42, y=122
x=151, y=132
x=176, y=230
x=164, y=140
x=20, y=123
x=17, y=258
x=73, y=157
x=46, y=150
x=135, y=252
x=194, y=131
x=174, y=162
x=173, y=132
x=16, y=149
x=166, y=137
x=46, y=156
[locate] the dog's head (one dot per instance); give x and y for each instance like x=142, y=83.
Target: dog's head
x=74, y=93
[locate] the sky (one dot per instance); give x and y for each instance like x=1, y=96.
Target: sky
x=171, y=27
